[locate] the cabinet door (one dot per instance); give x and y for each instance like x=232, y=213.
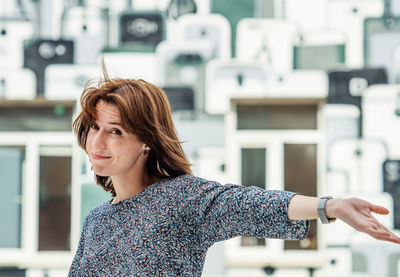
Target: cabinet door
x=382, y=36
x=54, y=198
x=253, y=174
x=301, y=175
x=244, y=9
x=11, y=159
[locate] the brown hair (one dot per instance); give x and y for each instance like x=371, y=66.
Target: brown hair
x=145, y=111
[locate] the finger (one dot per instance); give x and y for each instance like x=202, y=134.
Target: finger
x=382, y=233
x=378, y=227
x=381, y=227
x=376, y=232
x=378, y=209
x=389, y=238
x=395, y=239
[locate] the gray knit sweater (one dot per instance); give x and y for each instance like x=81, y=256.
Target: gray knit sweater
x=167, y=229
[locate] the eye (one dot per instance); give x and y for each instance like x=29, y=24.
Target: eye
x=94, y=126
x=116, y=132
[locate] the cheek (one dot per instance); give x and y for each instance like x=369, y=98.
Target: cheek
x=89, y=139
x=129, y=153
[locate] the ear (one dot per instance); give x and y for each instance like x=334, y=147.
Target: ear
x=145, y=147
x=145, y=150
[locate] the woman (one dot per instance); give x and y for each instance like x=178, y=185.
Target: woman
x=161, y=219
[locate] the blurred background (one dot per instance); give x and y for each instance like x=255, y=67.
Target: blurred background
x=300, y=95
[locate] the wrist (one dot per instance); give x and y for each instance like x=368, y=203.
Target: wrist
x=332, y=207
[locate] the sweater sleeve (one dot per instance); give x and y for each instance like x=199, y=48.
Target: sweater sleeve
x=220, y=212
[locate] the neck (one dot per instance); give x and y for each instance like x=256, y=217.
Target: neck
x=127, y=187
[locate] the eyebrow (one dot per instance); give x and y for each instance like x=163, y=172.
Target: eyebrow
x=115, y=123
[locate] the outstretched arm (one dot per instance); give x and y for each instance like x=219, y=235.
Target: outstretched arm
x=353, y=211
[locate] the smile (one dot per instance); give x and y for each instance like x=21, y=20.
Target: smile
x=98, y=157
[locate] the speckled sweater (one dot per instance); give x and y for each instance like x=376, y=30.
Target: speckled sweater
x=167, y=229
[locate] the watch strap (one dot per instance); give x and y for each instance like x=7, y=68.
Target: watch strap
x=322, y=210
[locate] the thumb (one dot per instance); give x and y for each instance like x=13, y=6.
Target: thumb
x=378, y=209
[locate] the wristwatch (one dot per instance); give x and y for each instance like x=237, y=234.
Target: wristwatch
x=322, y=211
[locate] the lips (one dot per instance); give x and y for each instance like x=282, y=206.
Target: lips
x=99, y=157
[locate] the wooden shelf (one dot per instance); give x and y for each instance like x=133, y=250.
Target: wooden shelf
x=36, y=103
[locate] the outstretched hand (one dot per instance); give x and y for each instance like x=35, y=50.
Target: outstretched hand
x=358, y=214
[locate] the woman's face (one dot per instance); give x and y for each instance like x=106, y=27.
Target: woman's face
x=112, y=151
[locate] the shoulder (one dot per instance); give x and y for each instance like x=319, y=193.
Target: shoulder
x=188, y=179
x=180, y=185
x=187, y=182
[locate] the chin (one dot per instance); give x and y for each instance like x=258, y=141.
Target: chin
x=101, y=173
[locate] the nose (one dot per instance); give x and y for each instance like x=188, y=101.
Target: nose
x=99, y=140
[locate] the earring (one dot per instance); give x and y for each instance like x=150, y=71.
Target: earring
x=146, y=150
